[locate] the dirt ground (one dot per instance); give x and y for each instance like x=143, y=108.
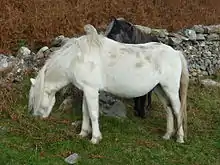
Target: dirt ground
x=36, y=22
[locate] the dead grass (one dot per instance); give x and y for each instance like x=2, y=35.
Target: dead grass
x=9, y=95
x=36, y=22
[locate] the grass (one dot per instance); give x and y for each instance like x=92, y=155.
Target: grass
x=27, y=140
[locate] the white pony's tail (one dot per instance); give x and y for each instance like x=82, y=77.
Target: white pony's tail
x=184, y=82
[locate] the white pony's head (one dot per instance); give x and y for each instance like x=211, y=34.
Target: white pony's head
x=42, y=93
x=41, y=99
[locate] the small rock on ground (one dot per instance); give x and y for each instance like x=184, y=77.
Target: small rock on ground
x=209, y=82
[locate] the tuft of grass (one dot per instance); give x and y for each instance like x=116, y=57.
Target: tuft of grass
x=28, y=140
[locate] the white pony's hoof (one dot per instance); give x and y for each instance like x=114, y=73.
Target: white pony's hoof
x=83, y=133
x=180, y=140
x=167, y=136
x=96, y=140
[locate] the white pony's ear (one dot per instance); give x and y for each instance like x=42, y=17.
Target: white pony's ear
x=32, y=81
x=89, y=29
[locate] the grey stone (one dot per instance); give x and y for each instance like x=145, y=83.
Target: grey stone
x=106, y=98
x=23, y=52
x=194, y=74
x=200, y=37
x=164, y=40
x=202, y=67
x=5, y=61
x=144, y=28
x=213, y=37
x=210, y=71
x=72, y=159
x=209, y=82
x=179, y=36
x=174, y=41
x=198, y=28
x=207, y=62
x=214, y=61
x=117, y=110
x=160, y=32
x=3, y=130
x=66, y=104
x=202, y=44
x=207, y=53
x=197, y=66
x=205, y=73
x=42, y=52
x=191, y=34
x=59, y=40
x=213, y=29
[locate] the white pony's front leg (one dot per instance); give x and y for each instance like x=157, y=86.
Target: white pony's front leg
x=92, y=99
x=86, y=127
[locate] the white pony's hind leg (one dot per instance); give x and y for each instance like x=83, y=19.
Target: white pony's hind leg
x=175, y=101
x=92, y=99
x=173, y=93
x=166, y=103
x=86, y=127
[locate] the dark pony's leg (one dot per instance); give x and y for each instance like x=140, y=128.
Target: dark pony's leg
x=136, y=106
x=149, y=101
x=139, y=104
x=142, y=106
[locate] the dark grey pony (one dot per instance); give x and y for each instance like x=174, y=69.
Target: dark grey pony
x=123, y=31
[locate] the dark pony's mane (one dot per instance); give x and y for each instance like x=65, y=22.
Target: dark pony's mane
x=128, y=33
x=139, y=36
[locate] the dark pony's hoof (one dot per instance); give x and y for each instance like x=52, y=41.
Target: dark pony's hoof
x=142, y=116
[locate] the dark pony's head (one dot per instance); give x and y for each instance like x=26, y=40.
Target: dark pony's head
x=119, y=30
x=123, y=31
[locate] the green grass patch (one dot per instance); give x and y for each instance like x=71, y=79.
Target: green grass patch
x=26, y=140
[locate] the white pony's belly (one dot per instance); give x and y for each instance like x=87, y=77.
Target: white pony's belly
x=128, y=81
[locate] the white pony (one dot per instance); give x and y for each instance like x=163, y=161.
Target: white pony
x=95, y=63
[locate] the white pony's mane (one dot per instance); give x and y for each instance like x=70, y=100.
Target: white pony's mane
x=36, y=92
